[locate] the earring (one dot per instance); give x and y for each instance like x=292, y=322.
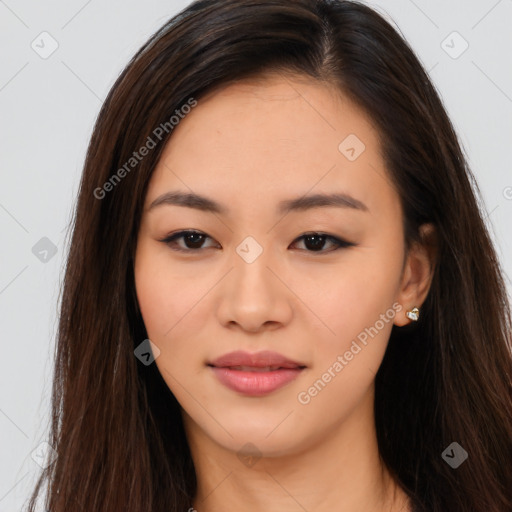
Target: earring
x=413, y=314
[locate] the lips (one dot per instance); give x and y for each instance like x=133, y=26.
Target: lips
x=255, y=374
x=265, y=360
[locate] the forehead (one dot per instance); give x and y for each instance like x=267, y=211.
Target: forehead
x=273, y=137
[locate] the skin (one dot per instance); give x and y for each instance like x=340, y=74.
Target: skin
x=248, y=146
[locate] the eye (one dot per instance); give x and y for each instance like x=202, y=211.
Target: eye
x=316, y=242
x=194, y=241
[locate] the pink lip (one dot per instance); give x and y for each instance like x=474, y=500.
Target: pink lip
x=255, y=382
x=258, y=360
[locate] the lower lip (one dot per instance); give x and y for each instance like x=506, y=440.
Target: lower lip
x=255, y=383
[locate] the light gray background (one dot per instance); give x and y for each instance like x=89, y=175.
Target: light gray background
x=48, y=107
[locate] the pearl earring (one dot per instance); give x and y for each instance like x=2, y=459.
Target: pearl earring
x=413, y=314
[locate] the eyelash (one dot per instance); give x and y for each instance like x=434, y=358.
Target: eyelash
x=341, y=244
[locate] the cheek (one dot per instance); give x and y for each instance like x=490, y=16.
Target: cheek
x=358, y=311
x=166, y=309
x=153, y=297
x=163, y=297
x=355, y=299
x=174, y=309
x=355, y=305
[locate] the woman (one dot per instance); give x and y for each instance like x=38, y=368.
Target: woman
x=280, y=292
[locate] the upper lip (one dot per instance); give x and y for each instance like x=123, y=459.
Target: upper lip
x=256, y=360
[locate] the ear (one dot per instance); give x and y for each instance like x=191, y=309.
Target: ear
x=417, y=273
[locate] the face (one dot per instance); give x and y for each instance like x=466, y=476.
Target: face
x=318, y=282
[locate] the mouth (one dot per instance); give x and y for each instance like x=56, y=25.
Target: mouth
x=255, y=374
x=258, y=368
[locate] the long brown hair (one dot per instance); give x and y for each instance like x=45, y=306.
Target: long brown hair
x=115, y=425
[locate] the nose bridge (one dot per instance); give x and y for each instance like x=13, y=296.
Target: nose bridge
x=254, y=296
x=251, y=262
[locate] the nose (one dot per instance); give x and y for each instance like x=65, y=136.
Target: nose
x=254, y=296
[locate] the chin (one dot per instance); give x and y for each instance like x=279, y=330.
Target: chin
x=255, y=444
x=265, y=434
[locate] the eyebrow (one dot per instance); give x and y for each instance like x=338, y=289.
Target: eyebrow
x=198, y=202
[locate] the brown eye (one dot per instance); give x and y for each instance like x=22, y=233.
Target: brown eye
x=315, y=242
x=193, y=241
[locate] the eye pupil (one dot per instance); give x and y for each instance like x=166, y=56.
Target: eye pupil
x=195, y=238
x=318, y=241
